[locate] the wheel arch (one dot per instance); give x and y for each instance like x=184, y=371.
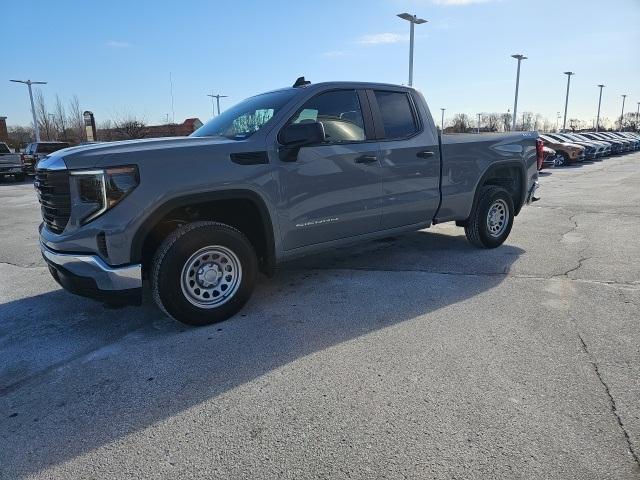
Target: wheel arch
x=499, y=174
x=162, y=213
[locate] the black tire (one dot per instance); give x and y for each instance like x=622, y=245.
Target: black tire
x=170, y=264
x=478, y=229
x=19, y=178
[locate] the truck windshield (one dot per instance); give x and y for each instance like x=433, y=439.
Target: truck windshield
x=247, y=117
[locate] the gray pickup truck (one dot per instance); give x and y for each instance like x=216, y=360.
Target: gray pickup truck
x=280, y=175
x=10, y=163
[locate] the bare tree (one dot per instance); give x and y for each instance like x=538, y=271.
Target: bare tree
x=130, y=128
x=75, y=120
x=60, y=120
x=537, y=122
x=491, y=121
x=42, y=116
x=506, y=118
x=19, y=136
x=527, y=121
x=630, y=122
x=460, y=123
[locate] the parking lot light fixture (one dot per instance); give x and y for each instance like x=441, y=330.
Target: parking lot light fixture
x=518, y=57
x=599, y=103
x=217, y=97
x=413, y=20
x=566, y=101
x=624, y=97
x=28, y=83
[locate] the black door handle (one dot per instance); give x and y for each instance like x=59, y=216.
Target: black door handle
x=366, y=159
x=425, y=154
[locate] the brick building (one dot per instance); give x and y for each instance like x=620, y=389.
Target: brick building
x=183, y=129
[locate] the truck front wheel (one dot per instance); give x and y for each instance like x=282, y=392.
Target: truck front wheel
x=490, y=222
x=203, y=273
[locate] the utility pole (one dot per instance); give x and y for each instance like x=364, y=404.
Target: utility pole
x=217, y=97
x=413, y=20
x=518, y=57
x=28, y=83
x=624, y=97
x=599, y=104
x=566, y=101
x=442, y=120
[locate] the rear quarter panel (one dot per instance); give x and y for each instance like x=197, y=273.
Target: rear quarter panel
x=467, y=157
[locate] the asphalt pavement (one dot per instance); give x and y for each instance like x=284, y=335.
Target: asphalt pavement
x=415, y=356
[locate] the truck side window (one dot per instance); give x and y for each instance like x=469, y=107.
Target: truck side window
x=397, y=114
x=338, y=111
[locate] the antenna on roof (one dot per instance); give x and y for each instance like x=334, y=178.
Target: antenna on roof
x=301, y=82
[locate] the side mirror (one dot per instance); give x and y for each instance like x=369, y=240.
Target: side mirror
x=301, y=134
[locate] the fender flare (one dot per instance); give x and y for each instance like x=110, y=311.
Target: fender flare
x=487, y=173
x=182, y=201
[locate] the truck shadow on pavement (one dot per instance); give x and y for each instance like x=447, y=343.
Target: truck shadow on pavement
x=76, y=376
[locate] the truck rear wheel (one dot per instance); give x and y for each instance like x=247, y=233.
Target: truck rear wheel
x=203, y=273
x=490, y=222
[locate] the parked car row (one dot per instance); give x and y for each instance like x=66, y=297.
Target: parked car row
x=563, y=149
x=18, y=165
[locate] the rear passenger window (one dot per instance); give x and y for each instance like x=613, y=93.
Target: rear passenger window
x=340, y=114
x=397, y=114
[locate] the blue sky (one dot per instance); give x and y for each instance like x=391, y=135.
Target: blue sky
x=117, y=55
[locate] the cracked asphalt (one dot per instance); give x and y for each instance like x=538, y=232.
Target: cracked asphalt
x=411, y=357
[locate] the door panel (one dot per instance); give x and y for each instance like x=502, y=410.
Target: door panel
x=411, y=183
x=409, y=157
x=330, y=192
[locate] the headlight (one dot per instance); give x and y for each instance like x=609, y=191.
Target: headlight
x=96, y=191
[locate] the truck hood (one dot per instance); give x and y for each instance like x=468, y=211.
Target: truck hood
x=129, y=151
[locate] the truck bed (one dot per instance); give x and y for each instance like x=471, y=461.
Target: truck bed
x=465, y=156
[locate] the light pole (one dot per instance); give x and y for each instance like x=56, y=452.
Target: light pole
x=479, y=122
x=217, y=97
x=599, y=103
x=28, y=83
x=557, y=121
x=638, y=118
x=442, y=120
x=624, y=97
x=566, y=101
x=518, y=57
x=413, y=20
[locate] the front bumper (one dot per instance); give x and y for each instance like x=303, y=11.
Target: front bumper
x=90, y=276
x=11, y=169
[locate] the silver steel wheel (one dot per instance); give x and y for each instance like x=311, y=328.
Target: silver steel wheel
x=211, y=276
x=497, y=218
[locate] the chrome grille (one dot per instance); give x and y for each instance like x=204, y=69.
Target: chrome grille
x=55, y=200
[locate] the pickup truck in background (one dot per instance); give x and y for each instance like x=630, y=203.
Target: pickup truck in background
x=280, y=175
x=38, y=150
x=10, y=163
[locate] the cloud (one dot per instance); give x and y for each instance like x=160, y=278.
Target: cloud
x=451, y=3
x=117, y=44
x=382, y=38
x=335, y=53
